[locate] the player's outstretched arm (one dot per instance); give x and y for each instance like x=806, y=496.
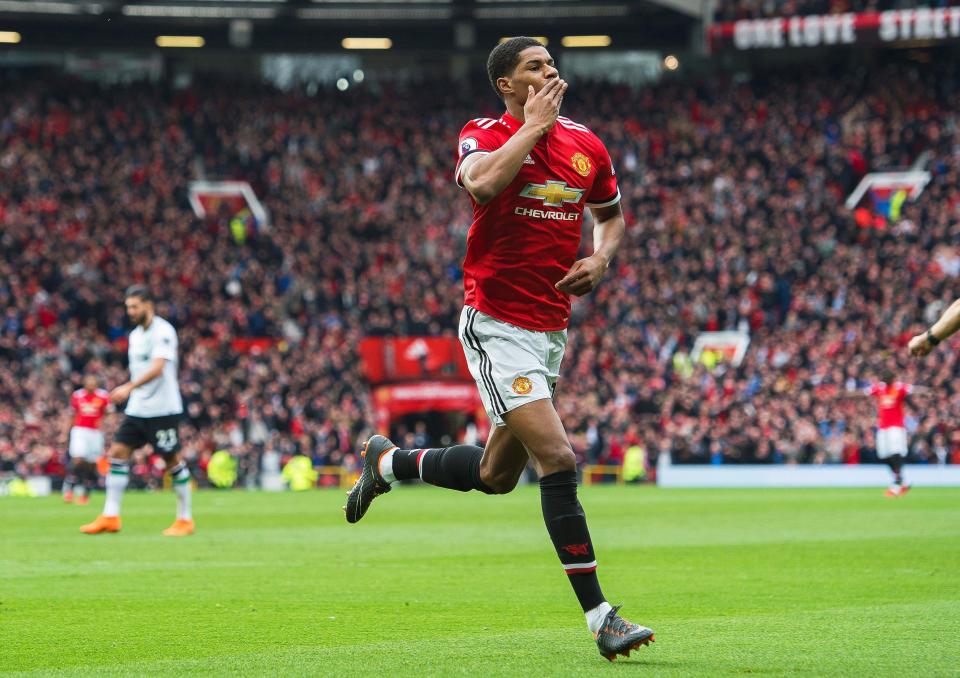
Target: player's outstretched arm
x=944, y=328
x=488, y=174
x=608, y=230
x=860, y=393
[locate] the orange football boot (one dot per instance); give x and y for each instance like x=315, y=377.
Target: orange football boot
x=67, y=497
x=102, y=524
x=82, y=501
x=180, y=528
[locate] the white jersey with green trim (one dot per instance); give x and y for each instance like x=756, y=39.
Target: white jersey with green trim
x=161, y=396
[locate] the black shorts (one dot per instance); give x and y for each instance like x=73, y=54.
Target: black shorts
x=161, y=432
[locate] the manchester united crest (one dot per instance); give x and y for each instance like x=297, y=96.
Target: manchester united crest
x=581, y=163
x=522, y=386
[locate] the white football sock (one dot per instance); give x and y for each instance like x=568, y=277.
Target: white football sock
x=116, y=483
x=181, y=487
x=596, y=616
x=386, y=466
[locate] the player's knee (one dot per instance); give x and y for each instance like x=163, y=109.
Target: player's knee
x=171, y=459
x=119, y=452
x=556, y=458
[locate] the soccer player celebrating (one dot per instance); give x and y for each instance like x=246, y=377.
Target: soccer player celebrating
x=90, y=404
x=530, y=174
x=152, y=414
x=890, y=396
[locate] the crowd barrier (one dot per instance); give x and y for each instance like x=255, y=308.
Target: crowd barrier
x=867, y=475
x=597, y=472
x=668, y=475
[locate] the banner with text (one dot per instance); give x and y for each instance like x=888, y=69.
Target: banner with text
x=867, y=28
x=391, y=402
x=398, y=359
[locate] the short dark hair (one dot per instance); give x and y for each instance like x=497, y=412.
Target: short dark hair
x=503, y=58
x=141, y=292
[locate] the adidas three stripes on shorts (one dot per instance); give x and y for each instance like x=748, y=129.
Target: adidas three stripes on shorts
x=511, y=365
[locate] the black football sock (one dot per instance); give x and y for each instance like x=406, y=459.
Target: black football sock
x=567, y=526
x=90, y=478
x=456, y=468
x=405, y=464
x=896, y=464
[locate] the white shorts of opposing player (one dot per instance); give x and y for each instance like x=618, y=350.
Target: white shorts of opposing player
x=891, y=441
x=85, y=443
x=512, y=366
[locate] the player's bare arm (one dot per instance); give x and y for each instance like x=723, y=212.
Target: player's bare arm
x=608, y=230
x=944, y=328
x=486, y=175
x=65, y=433
x=858, y=394
x=122, y=393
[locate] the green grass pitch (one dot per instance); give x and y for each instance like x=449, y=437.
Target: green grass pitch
x=432, y=582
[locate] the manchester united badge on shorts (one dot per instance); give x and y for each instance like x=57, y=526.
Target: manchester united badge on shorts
x=581, y=163
x=522, y=386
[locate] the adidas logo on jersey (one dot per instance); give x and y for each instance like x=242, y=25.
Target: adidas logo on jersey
x=528, y=160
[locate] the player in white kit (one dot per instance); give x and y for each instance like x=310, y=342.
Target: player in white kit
x=152, y=414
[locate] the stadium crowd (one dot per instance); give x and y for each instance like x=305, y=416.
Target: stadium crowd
x=734, y=199
x=736, y=10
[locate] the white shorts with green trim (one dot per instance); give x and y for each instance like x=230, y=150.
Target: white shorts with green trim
x=511, y=365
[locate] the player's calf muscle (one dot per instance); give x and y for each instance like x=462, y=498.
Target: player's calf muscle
x=504, y=461
x=500, y=481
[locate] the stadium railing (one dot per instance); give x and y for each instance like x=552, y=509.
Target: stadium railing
x=590, y=471
x=345, y=478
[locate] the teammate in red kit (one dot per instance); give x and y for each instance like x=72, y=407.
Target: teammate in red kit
x=530, y=175
x=890, y=396
x=86, y=439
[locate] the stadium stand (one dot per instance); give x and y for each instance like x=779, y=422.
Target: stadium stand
x=734, y=197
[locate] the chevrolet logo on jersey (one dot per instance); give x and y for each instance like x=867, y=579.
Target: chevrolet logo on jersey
x=553, y=193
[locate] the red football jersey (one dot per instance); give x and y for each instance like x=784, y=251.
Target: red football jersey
x=90, y=407
x=526, y=238
x=890, y=399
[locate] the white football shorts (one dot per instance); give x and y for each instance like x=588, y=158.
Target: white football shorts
x=511, y=365
x=891, y=441
x=85, y=443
